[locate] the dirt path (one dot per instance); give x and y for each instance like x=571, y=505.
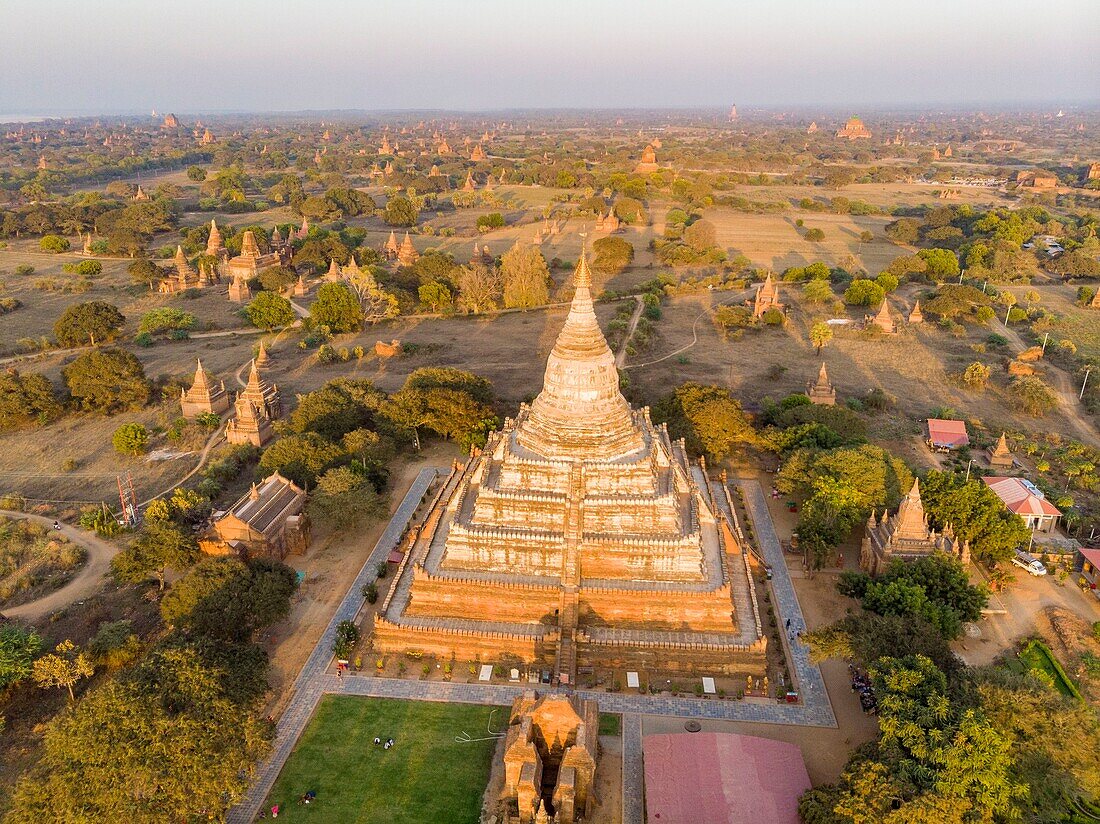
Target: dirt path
x=84, y=584
x=1067, y=393
x=620, y=356
x=738, y=296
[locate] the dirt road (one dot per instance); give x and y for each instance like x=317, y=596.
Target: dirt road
x=1063, y=387
x=84, y=584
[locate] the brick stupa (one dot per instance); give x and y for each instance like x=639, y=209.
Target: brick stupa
x=821, y=391
x=582, y=535
x=205, y=395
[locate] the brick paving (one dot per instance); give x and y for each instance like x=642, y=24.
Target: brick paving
x=315, y=681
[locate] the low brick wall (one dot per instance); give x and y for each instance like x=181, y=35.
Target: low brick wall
x=665, y=610
x=440, y=597
x=464, y=646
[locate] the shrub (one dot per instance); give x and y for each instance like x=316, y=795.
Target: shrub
x=54, y=244
x=24, y=269
x=864, y=293
x=130, y=439
x=815, y=235
x=86, y=268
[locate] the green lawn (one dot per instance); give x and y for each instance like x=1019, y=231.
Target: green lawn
x=1038, y=657
x=425, y=777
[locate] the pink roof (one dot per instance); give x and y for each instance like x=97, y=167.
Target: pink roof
x=947, y=433
x=1091, y=555
x=1020, y=496
x=722, y=778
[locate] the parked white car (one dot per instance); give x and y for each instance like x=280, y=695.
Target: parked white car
x=1030, y=563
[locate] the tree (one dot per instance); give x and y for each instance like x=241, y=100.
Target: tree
x=196, y=174
x=976, y=375
x=144, y=271
x=377, y=303
x=347, y=636
x=301, y=458
x=175, y=736
x=708, y=417
x=436, y=297
x=166, y=319
x=815, y=235
x=228, y=599
x=337, y=307
x=400, y=211
x=18, y=648
x=276, y=278
x=817, y=291
x=975, y=513
x=479, y=287
x=158, y=547
x=337, y=408
x=701, y=235
x=942, y=263
x=612, y=255
x=26, y=399
x=91, y=322
x=864, y=293
x=269, y=310
x=130, y=439
x=904, y=230
x=493, y=220
x=821, y=333
x=63, y=667
x=344, y=496
x=1032, y=396
x=526, y=276
x=107, y=380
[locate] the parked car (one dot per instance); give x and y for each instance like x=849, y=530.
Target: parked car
x=1030, y=563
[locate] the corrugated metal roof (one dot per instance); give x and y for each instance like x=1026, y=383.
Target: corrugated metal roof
x=269, y=504
x=1020, y=496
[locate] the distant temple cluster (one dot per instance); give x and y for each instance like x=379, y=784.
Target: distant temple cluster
x=854, y=130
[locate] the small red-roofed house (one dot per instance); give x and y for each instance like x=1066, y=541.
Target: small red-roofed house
x=1023, y=498
x=946, y=435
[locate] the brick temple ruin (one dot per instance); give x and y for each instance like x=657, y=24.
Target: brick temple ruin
x=581, y=536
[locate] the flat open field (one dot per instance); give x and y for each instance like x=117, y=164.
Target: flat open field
x=425, y=777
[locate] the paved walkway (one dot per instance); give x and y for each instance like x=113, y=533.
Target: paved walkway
x=633, y=808
x=312, y=681
x=85, y=583
x=815, y=700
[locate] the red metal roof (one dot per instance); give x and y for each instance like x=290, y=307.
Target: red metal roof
x=1091, y=555
x=722, y=778
x=947, y=432
x=1020, y=497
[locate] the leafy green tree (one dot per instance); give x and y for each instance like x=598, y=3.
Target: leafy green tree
x=276, y=278
x=817, y=291
x=447, y=377
x=904, y=230
x=347, y=636
x=493, y=220
x=701, y=235
x=821, y=333
x=18, y=648
x=158, y=547
x=975, y=513
x=166, y=319
x=196, y=174
x=400, y=211
x=131, y=439
x=526, y=277
x=710, y=419
x=227, y=599
x=171, y=737
x=92, y=322
x=337, y=307
x=377, y=304
x=26, y=399
x=107, y=380
x=976, y=376
x=1032, y=396
x=942, y=263
x=301, y=458
x=63, y=667
x=864, y=292
x=269, y=310
x=815, y=235
x=144, y=271
x=344, y=497
x=436, y=297
x=337, y=408
x=612, y=255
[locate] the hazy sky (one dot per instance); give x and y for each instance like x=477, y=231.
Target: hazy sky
x=91, y=56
